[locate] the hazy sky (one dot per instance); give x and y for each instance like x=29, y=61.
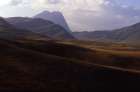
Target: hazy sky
x=81, y=15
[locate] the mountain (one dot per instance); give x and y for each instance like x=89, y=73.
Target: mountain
x=130, y=34
x=90, y=36
x=40, y=26
x=8, y=31
x=51, y=66
x=56, y=17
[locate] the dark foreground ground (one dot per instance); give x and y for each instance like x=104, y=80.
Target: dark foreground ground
x=26, y=69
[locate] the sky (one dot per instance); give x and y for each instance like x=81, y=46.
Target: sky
x=81, y=15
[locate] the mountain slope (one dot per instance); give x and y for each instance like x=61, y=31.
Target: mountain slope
x=40, y=26
x=93, y=36
x=56, y=17
x=129, y=34
x=8, y=31
x=30, y=70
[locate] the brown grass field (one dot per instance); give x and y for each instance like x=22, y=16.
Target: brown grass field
x=114, y=48
x=66, y=66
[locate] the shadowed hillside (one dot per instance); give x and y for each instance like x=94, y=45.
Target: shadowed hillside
x=23, y=69
x=124, y=60
x=41, y=26
x=8, y=31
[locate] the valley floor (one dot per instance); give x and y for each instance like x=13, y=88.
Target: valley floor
x=49, y=66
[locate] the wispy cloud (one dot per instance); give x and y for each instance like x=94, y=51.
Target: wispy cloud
x=67, y=4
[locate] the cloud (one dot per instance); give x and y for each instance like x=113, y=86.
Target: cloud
x=109, y=15
x=67, y=4
x=54, y=1
x=15, y=2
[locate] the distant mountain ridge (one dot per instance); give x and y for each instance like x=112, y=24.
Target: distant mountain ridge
x=130, y=34
x=40, y=26
x=56, y=17
x=9, y=32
